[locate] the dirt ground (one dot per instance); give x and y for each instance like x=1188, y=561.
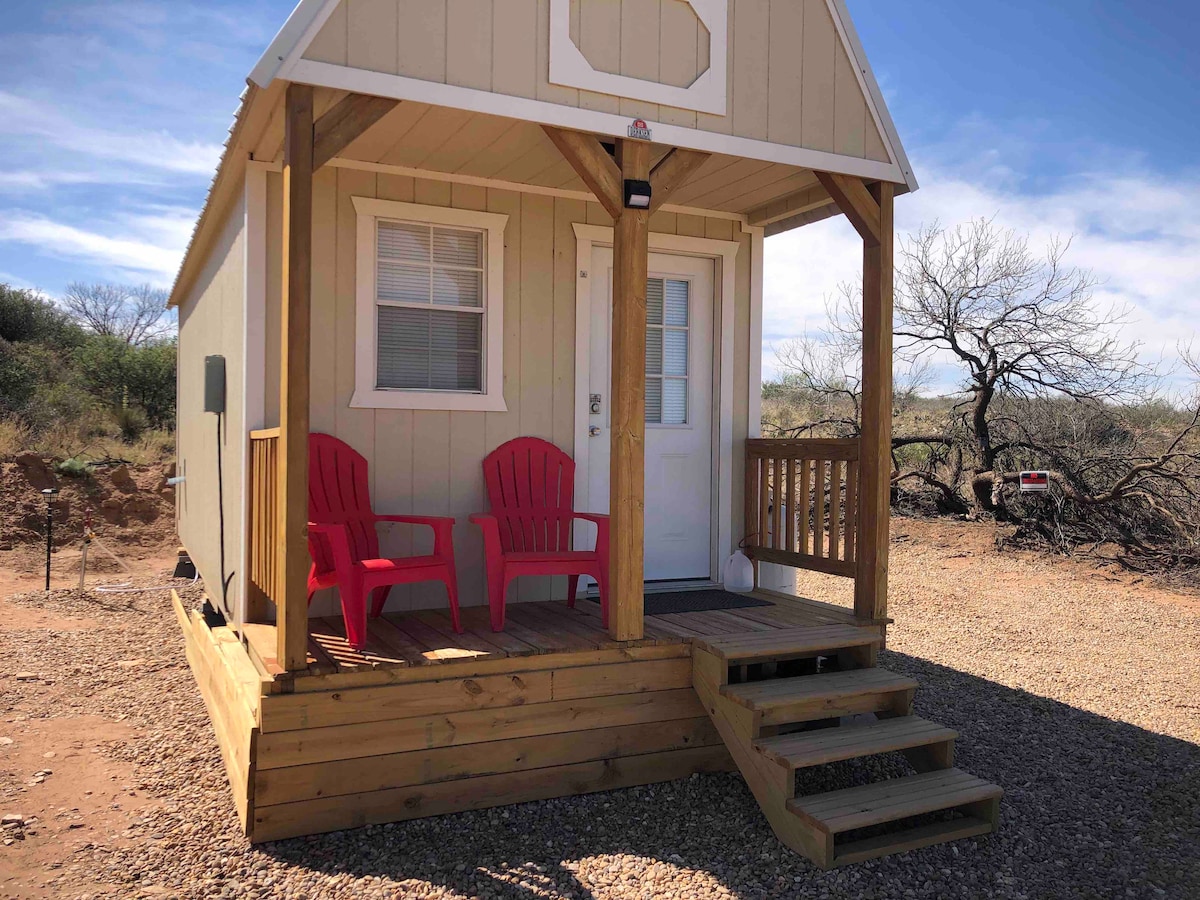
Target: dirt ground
x=1074, y=688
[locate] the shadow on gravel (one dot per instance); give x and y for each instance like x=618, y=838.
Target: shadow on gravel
x=1093, y=808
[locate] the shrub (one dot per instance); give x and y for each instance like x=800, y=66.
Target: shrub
x=74, y=467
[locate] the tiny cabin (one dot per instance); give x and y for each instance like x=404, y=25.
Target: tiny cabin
x=444, y=232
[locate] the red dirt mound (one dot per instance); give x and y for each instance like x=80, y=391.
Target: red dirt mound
x=130, y=508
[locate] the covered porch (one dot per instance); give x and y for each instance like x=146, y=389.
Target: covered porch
x=814, y=504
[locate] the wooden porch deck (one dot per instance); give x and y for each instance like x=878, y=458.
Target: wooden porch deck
x=426, y=638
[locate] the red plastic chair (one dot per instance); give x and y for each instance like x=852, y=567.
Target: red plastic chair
x=531, y=491
x=344, y=543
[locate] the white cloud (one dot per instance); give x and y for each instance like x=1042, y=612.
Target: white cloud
x=154, y=150
x=146, y=246
x=1137, y=231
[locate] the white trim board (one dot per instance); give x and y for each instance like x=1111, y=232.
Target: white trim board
x=757, y=263
x=708, y=93
x=724, y=254
x=254, y=342
x=321, y=74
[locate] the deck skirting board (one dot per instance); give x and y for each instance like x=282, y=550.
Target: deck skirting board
x=424, y=767
x=228, y=708
x=355, y=810
x=312, y=745
x=291, y=712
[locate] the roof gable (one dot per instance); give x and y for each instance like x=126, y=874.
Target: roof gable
x=810, y=99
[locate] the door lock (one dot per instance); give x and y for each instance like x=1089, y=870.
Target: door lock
x=594, y=404
x=594, y=430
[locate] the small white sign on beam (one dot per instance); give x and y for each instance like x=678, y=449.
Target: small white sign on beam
x=1035, y=482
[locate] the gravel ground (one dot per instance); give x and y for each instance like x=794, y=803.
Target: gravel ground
x=1075, y=690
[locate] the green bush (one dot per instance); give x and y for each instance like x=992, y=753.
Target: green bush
x=78, y=389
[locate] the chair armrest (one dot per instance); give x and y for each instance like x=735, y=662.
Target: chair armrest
x=601, y=519
x=601, y=522
x=339, y=544
x=490, y=526
x=431, y=521
x=443, y=530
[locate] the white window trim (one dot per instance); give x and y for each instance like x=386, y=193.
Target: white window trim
x=366, y=394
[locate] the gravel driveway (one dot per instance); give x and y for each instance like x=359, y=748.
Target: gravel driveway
x=1075, y=690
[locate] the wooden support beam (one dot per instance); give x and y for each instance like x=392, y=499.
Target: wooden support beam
x=291, y=607
x=875, y=440
x=671, y=172
x=627, y=459
x=346, y=120
x=592, y=163
x=631, y=249
x=853, y=199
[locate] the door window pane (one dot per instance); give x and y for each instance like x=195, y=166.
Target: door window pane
x=667, y=345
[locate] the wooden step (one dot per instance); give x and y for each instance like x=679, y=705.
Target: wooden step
x=814, y=748
x=808, y=697
x=838, y=812
x=786, y=643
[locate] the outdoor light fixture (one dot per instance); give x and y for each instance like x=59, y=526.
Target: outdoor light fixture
x=637, y=194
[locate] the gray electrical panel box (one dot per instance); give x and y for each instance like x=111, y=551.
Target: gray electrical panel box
x=214, y=384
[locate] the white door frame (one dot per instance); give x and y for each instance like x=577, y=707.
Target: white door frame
x=723, y=254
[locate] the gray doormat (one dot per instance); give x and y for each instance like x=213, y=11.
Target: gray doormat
x=667, y=602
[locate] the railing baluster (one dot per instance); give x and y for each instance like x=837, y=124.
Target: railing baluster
x=835, y=508
x=851, y=508
x=790, y=497
x=777, y=504
x=764, y=501
x=805, y=506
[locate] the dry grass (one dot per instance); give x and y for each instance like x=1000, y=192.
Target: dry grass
x=87, y=441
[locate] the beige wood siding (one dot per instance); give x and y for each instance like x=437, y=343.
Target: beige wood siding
x=211, y=322
x=429, y=462
x=790, y=79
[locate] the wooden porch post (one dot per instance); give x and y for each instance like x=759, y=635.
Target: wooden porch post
x=875, y=451
x=291, y=608
x=627, y=457
x=604, y=176
x=870, y=211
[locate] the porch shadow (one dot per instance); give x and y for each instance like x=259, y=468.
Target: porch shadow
x=1093, y=808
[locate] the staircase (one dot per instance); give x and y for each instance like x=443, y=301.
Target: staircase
x=778, y=699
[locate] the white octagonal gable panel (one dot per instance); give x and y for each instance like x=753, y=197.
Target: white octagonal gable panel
x=707, y=93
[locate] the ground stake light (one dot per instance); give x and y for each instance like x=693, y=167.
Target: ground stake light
x=49, y=493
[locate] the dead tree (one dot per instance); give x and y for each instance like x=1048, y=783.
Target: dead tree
x=1017, y=325
x=1044, y=381
x=133, y=314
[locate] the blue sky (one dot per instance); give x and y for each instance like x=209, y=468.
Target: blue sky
x=1072, y=118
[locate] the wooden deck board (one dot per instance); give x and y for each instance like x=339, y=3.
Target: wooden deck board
x=426, y=637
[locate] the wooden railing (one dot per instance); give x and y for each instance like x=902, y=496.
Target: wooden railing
x=802, y=503
x=262, y=546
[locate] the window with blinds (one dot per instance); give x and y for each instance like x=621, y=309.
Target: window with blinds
x=430, y=307
x=667, y=321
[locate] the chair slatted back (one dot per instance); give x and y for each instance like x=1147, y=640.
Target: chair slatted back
x=339, y=493
x=531, y=490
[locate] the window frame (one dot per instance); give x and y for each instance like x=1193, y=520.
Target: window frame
x=367, y=394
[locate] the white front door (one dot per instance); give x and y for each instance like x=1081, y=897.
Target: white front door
x=679, y=410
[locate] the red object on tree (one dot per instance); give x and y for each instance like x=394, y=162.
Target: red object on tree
x=343, y=539
x=531, y=491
